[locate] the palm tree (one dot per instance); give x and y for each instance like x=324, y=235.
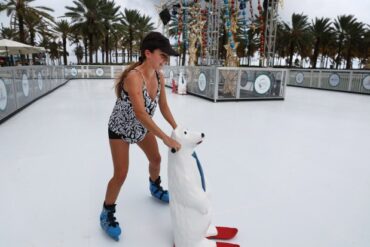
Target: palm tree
x=20, y=10
x=87, y=16
x=64, y=29
x=320, y=29
x=7, y=33
x=355, y=34
x=342, y=25
x=79, y=54
x=46, y=35
x=144, y=26
x=252, y=44
x=282, y=39
x=328, y=48
x=54, y=51
x=173, y=31
x=363, y=51
x=129, y=20
x=296, y=34
x=110, y=22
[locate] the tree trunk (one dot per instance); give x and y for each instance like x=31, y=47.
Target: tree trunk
x=315, y=53
x=90, y=48
x=131, y=39
x=291, y=54
x=116, y=53
x=338, y=59
x=22, y=37
x=96, y=55
x=348, y=59
x=65, y=50
x=102, y=56
x=32, y=36
x=85, y=44
x=107, y=48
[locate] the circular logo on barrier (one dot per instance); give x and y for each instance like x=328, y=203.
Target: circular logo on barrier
x=74, y=72
x=334, y=80
x=202, y=82
x=25, y=85
x=366, y=82
x=3, y=95
x=262, y=84
x=99, y=72
x=39, y=81
x=299, y=78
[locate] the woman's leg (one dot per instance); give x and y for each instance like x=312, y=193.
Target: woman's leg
x=150, y=147
x=120, y=157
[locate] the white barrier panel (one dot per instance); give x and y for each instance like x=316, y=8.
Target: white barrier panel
x=224, y=83
x=19, y=86
x=354, y=81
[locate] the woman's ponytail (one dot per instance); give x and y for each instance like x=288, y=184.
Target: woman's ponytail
x=118, y=85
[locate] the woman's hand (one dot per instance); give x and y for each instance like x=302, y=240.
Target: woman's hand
x=171, y=143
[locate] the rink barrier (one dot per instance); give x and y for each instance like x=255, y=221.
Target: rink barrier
x=209, y=82
x=20, y=86
x=352, y=81
x=230, y=83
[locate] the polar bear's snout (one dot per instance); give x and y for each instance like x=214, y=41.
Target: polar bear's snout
x=202, y=135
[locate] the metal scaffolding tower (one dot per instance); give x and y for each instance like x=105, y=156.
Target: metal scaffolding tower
x=213, y=35
x=213, y=27
x=270, y=31
x=214, y=8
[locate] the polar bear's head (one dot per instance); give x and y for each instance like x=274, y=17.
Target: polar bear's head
x=187, y=139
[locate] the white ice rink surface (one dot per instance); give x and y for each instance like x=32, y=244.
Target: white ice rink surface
x=292, y=173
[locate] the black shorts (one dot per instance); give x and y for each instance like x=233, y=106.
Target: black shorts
x=113, y=135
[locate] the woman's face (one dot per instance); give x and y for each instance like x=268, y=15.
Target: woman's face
x=157, y=58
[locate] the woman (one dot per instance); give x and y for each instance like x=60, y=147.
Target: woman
x=139, y=89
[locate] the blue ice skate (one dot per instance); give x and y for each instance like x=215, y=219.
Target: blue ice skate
x=157, y=191
x=108, y=222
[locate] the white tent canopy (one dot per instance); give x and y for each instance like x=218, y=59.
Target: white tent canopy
x=10, y=47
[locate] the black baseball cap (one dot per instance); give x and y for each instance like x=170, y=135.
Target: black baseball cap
x=156, y=40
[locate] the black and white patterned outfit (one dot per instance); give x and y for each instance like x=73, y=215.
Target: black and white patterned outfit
x=123, y=122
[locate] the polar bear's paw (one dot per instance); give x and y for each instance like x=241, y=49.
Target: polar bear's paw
x=157, y=191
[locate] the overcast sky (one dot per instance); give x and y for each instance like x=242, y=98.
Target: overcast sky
x=312, y=8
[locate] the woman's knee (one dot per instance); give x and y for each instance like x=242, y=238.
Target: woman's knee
x=155, y=160
x=119, y=178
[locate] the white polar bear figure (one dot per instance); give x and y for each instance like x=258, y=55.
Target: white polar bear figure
x=190, y=205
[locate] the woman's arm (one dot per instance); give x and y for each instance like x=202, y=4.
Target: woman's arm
x=134, y=87
x=163, y=106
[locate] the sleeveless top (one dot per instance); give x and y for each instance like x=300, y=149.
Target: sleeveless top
x=123, y=121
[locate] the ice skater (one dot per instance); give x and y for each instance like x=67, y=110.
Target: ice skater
x=139, y=90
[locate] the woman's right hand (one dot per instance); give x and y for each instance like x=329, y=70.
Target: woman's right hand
x=171, y=143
